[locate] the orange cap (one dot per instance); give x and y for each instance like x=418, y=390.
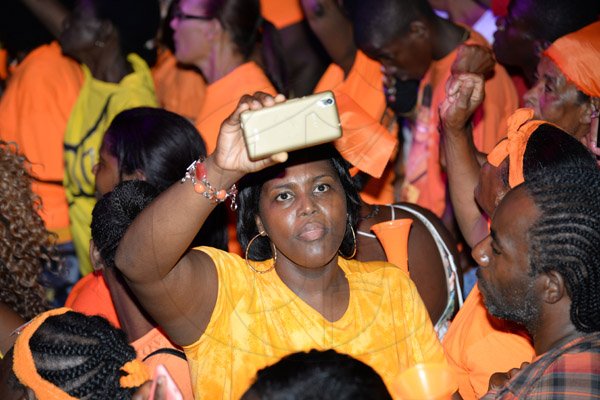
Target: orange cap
x=520, y=128
x=577, y=55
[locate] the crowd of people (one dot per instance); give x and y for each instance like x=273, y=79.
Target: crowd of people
x=145, y=255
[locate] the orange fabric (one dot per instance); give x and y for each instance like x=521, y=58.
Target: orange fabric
x=519, y=130
x=137, y=374
x=91, y=296
x=34, y=111
x=282, y=13
x=478, y=345
x=24, y=365
x=365, y=143
x=257, y=320
x=577, y=55
x=222, y=97
x=380, y=191
x=3, y=64
x=178, y=89
x=178, y=368
x=424, y=175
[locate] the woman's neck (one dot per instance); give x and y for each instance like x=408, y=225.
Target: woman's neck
x=221, y=61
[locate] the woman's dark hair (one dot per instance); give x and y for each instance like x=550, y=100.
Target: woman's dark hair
x=251, y=186
x=161, y=145
x=82, y=355
x=318, y=375
x=113, y=214
x=550, y=147
x=243, y=21
x=566, y=235
x=136, y=21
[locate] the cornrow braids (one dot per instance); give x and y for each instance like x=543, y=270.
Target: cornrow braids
x=113, y=214
x=82, y=356
x=566, y=237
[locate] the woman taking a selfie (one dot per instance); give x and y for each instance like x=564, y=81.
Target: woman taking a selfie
x=298, y=288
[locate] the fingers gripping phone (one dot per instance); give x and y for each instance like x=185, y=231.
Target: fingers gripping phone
x=292, y=125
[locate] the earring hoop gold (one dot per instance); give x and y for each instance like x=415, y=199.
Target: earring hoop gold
x=355, y=244
x=248, y=261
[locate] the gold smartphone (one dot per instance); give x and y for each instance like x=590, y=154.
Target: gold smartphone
x=292, y=125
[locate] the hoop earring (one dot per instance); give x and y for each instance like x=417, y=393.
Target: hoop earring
x=248, y=262
x=355, y=244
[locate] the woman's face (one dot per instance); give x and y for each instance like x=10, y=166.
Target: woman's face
x=556, y=100
x=106, y=171
x=81, y=30
x=304, y=213
x=191, y=32
x=491, y=186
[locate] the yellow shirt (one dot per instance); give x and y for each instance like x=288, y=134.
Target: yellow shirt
x=98, y=103
x=257, y=320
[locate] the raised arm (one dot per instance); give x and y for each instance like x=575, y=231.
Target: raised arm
x=465, y=93
x=51, y=14
x=176, y=286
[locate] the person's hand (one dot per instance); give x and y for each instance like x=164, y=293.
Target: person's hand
x=591, y=140
x=464, y=93
x=474, y=59
x=230, y=153
x=499, y=379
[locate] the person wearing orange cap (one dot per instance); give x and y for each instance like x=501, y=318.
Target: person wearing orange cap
x=567, y=91
x=410, y=39
x=65, y=355
x=477, y=344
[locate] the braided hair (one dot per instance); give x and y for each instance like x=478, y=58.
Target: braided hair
x=82, y=356
x=566, y=237
x=113, y=214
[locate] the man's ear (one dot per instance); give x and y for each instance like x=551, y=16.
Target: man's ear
x=553, y=287
x=95, y=257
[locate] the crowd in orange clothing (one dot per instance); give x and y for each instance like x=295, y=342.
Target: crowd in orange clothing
x=154, y=258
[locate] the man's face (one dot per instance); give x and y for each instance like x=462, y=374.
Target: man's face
x=508, y=288
x=406, y=56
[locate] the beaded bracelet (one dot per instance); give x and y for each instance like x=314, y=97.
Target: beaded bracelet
x=196, y=173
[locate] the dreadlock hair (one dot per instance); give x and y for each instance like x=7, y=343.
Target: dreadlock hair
x=113, y=214
x=318, y=375
x=82, y=355
x=566, y=235
x=251, y=186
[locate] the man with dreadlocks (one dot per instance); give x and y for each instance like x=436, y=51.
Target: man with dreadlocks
x=542, y=270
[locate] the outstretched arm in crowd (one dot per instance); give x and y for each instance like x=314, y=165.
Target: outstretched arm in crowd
x=465, y=92
x=176, y=286
x=51, y=14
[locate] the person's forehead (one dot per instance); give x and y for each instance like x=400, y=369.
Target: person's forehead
x=306, y=170
x=515, y=215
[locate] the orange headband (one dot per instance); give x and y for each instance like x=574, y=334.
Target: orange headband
x=577, y=55
x=26, y=371
x=520, y=128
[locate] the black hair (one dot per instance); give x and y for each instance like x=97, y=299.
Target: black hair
x=161, y=145
x=566, y=235
x=551, y=19
x=318, y=375
x=243, y=21
x=550, y=147
x=82, y=355
x=376, y=22
x=137, y=23
x=251, y=186
x=113, y=214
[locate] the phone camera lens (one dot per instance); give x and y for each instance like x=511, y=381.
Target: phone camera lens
x=329, y=101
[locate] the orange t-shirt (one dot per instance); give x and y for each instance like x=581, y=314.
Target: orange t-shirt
x=34, y=111
x=91, y=296
x=223, y=95
x=282, y=13
x=478, y=345
x=177, y=366
x=178, y=89
x=425, y=182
